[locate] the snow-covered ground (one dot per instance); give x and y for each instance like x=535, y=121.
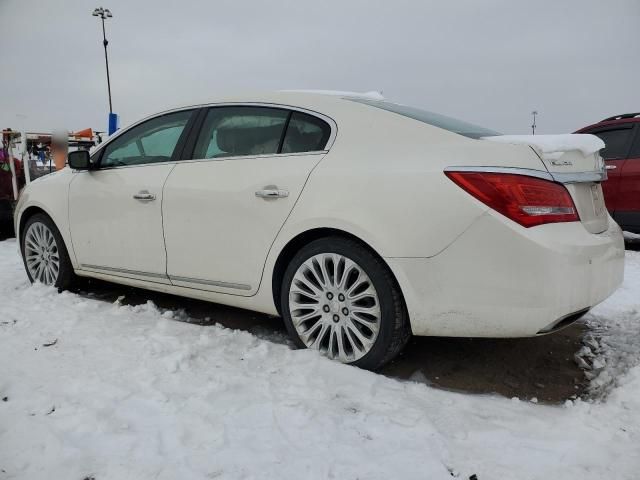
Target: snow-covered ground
x=128, y=393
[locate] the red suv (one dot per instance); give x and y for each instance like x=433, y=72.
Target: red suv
x=6, y=190
x=621, y=135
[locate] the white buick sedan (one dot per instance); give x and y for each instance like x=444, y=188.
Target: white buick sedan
x=359, y=221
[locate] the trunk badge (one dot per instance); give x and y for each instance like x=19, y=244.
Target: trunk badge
x=561, y=163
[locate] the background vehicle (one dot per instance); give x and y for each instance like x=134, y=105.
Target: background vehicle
x=359, y=221
x=6, y=191
x=621, y=134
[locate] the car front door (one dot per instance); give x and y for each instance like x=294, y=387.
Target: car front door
x=617, y=139
x=115, y=209
x=628, y=212
x=223, y=209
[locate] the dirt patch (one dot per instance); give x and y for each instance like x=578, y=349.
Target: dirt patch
x=541, y=367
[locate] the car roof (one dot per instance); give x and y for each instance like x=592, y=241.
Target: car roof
x=307, y=99
x=326, y=103
x=621, y=119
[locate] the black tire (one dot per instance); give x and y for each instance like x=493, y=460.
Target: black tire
x=66, y=276
x=394, y=330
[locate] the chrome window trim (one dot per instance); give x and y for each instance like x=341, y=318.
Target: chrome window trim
x=193, y=160
x=249, y=157
x=332, y=124
x=213, y=283
x=117, y=167
x=565, y=178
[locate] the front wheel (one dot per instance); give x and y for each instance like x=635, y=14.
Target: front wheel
x=340, y=299
x=44, y=254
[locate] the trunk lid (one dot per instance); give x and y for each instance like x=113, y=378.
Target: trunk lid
x=575, y=161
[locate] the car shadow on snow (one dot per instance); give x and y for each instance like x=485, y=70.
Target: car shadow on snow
x=541, y=368
x=632, y=245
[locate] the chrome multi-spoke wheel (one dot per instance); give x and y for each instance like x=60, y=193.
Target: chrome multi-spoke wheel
x=334, y=307
x=41, y=253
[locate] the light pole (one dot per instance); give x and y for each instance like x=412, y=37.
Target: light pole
x=533, y=125
x=104, y=13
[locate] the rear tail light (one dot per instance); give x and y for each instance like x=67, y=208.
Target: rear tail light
x=529, y=201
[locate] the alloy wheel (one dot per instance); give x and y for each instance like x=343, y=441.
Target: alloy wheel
x=41, y=254
x=334, y=307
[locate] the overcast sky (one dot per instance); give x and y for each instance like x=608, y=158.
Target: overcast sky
x=490, y=62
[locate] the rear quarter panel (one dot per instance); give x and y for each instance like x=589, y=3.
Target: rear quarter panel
x=383, y=181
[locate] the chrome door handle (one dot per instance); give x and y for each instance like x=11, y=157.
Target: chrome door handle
x=272, y=193
x=611, y=167
x=144, y=196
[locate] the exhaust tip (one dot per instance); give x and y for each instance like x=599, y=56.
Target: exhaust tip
x=563, y=322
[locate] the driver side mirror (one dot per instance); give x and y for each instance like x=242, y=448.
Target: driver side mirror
x=79, y=160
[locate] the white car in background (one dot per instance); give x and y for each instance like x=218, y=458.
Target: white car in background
x=359, y=221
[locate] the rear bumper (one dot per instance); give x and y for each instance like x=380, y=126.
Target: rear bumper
x=502, y=280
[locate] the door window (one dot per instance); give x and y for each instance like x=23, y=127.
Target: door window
x=616, y=142
x=241, y=130
x=150, y=142
x=305, y=133
x=635, y=148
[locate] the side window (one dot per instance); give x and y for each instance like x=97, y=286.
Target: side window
x=150, y=142
x=240, y=130
x=616, y=142
x=635, y=148
x=305, y=133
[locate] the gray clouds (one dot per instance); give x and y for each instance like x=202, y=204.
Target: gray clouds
x=488, y=62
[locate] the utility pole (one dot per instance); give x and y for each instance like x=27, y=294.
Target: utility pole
x=533, y=125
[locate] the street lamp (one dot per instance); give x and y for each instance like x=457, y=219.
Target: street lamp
x=104, y=13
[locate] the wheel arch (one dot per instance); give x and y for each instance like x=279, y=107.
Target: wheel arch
x=25, y=215
x=299, y=241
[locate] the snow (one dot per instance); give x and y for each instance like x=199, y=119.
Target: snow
x=129, y=392
x=554, y=144
x=613, y=347
x=631, y=237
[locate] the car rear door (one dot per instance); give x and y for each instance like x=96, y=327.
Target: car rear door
x=115, y=213
x=617, y=139
x=223, y=209
x=628, y=211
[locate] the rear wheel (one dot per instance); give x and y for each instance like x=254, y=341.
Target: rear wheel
x=340, y=299
x=44, y=254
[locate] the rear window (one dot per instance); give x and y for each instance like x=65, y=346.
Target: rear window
x=431, y=118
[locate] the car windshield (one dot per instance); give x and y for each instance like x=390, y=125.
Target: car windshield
x=431, y=118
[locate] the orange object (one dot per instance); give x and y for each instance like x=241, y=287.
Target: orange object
x=87, y=133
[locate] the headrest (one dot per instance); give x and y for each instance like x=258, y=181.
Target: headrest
x=244, y=140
